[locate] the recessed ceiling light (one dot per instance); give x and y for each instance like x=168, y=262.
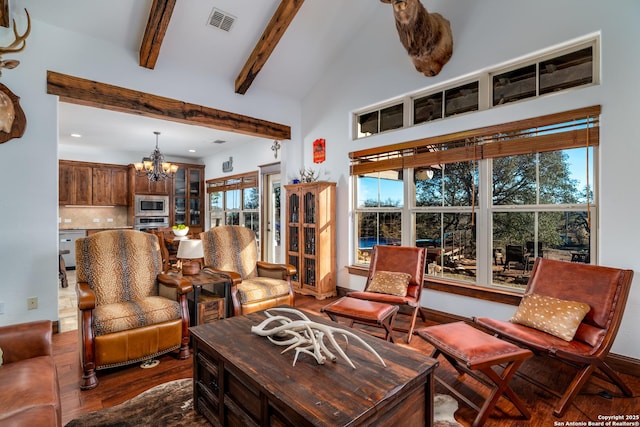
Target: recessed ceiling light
x=192, y=150
x=76, y=135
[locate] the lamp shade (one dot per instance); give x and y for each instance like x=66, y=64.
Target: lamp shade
x=190, y=249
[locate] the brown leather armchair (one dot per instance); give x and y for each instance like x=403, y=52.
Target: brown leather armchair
x=256, y=285
x=605, y=290
x=127, y=312
x=401, y=259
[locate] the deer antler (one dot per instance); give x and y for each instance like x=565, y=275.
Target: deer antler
x=15, y=46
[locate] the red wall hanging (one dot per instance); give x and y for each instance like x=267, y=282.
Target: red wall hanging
x=319, y=150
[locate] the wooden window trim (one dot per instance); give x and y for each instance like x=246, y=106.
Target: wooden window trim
x=245, y=180
x=487, y=142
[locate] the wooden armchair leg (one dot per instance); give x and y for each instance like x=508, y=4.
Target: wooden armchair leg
x=572, y=390
x=89, y=379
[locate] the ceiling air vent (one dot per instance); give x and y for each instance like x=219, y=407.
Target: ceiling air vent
x=221, y=20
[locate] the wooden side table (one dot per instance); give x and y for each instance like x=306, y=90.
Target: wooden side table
x=206, y=278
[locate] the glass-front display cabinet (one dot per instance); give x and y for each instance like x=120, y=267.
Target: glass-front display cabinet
x=311, y=237
x=188, y=197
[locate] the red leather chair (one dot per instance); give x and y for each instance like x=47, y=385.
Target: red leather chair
x=404, y=259
x=605, y=290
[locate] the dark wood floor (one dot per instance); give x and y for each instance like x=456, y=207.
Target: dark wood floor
x=118, y=385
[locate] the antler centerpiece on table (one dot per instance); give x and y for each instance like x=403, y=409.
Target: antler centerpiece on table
x=306, y=336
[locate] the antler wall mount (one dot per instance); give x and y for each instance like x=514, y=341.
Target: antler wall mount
x=426, y=36
x=13, y=121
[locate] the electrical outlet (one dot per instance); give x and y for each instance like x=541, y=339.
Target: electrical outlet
x=96, y=219
x=67, y=220
x=32, y=303
x=109, y=219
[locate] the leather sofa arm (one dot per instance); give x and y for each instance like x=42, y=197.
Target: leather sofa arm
x=273, y=270
x=86, y=296
x=232, y=276
x=26, y=340
x=181, y=285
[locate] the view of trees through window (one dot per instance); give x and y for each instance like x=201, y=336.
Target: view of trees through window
x=537, y=206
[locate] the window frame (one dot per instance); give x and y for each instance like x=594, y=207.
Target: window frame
x=554, y=132
x=241, y=183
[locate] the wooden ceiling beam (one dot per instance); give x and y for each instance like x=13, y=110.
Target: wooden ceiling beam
x=76, y=90
x=272, y=34
x=159, y=17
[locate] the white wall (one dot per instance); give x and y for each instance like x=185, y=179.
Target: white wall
x=29, y=165
x=486, y=34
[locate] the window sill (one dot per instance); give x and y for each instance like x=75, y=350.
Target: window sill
x=443, y=285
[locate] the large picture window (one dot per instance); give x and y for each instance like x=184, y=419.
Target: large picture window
x=487, y=202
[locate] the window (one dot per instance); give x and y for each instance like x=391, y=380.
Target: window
x=235, y=201
x=381, y=120
x=379, y=214
x=562, y=69
x=485, y=202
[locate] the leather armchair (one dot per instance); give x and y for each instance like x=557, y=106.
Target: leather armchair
x=401, y=259
x=605, y=290
x=127, y=312
x=256, y=285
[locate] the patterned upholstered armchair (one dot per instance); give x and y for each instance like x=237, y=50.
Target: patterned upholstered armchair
x=125, y=314
x=257, y=285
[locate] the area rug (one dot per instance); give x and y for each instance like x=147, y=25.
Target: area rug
x=171, y=404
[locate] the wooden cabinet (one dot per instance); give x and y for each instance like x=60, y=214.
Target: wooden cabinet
x=110, y=186
x=311, y=237
x=92, y=184
x=241, y=379
x=188, y=197
x=74, y=183
x=140, y=184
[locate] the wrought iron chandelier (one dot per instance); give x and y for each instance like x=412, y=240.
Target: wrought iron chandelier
x=155, y=167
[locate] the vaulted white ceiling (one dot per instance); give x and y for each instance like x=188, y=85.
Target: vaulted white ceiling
x=315, y=36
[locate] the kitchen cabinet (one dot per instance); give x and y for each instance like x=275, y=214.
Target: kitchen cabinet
x=92, y=184
x=110, y=186
x=311, y=237
x=188, y=197
x=75, y=183
x=140, y=184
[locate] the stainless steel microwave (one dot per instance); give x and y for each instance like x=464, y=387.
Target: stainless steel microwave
x=147, y=205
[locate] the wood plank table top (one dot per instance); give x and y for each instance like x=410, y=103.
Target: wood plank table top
x=330, y=394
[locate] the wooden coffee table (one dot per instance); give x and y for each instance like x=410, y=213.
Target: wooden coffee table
x=243, y=379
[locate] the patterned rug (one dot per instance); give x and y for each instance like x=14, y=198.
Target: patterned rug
x=171, y=404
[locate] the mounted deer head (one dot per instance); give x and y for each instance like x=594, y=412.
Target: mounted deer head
x=18, y=45
x=426, y=36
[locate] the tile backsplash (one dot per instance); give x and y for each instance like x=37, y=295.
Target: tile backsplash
x=71, y=217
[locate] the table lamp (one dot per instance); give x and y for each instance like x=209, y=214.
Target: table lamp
x=190, y=252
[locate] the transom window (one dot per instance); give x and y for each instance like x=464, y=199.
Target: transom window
x=559, y=70
x=487, y=204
